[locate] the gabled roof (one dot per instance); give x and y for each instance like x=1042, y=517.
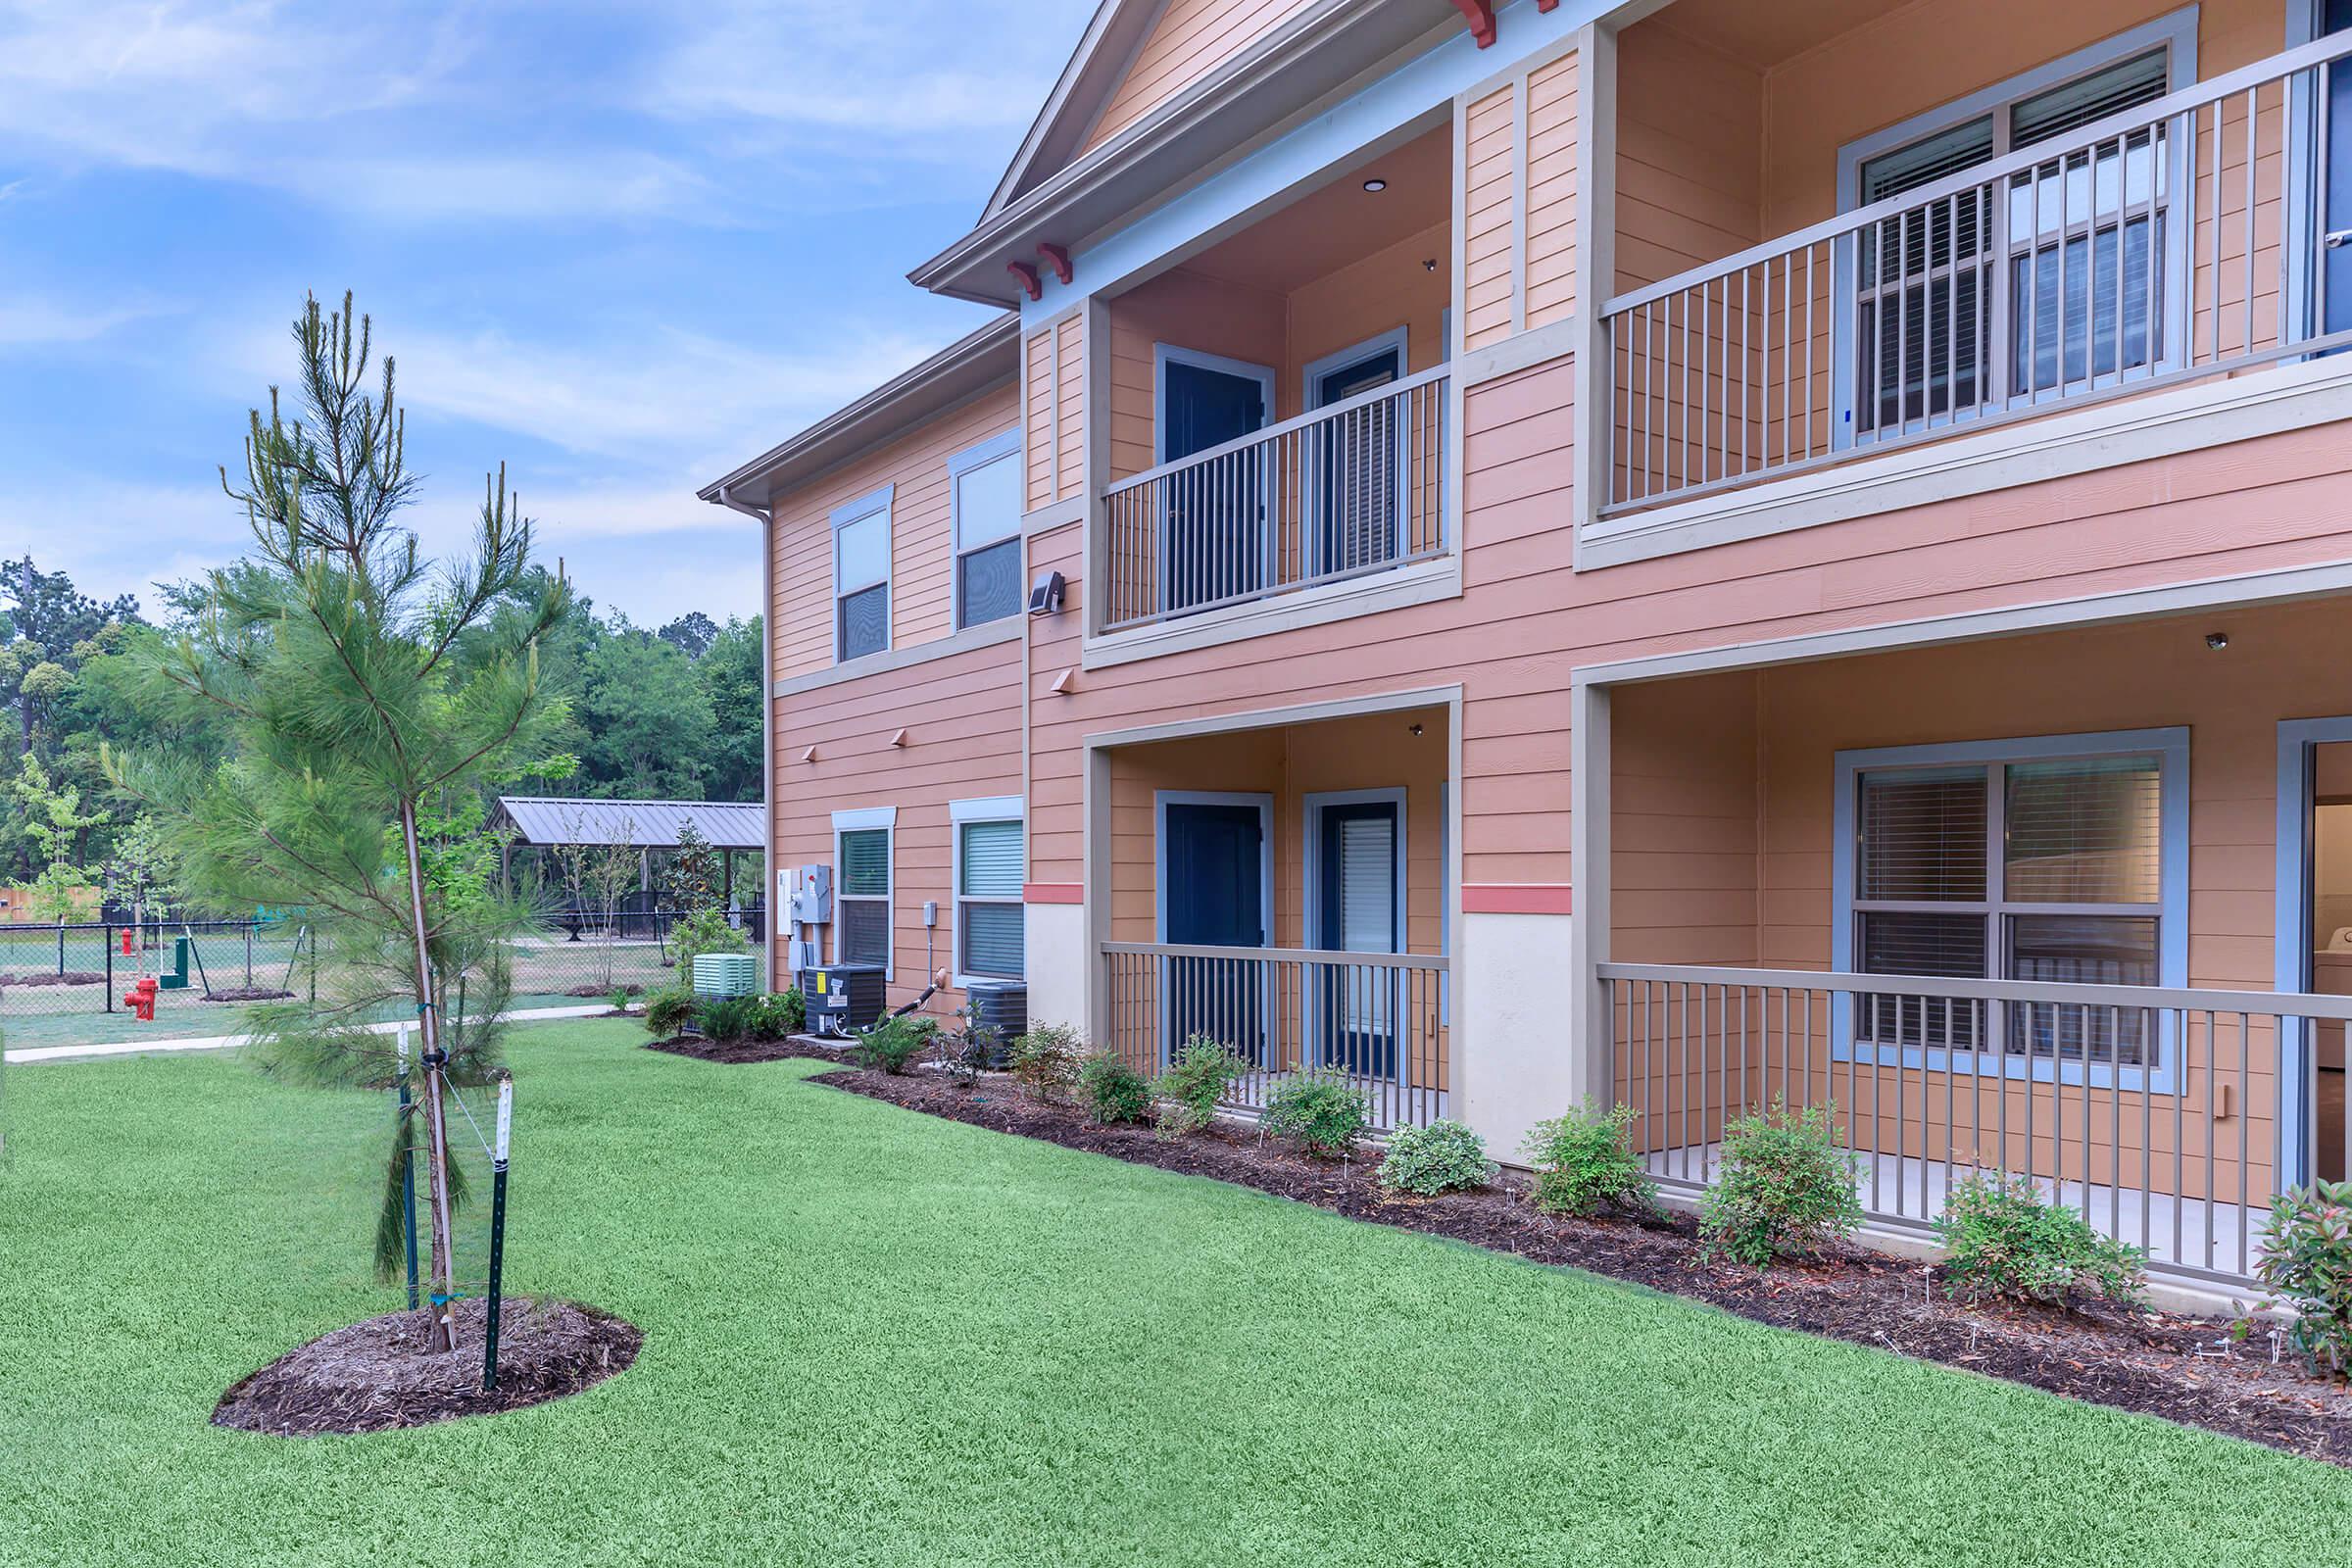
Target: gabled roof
x=1097, y=66
x=640, y=825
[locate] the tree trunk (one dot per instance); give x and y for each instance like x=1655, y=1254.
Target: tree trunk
x=436, y=1163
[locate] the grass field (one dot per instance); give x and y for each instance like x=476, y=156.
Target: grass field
x=877, y=1339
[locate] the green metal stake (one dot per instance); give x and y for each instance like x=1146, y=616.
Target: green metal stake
x=498, y=1229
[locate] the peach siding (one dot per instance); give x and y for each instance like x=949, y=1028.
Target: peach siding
x=922, y=542
x=1039, y=410
x=1491, y=239
x=1190, y=39
x=1551, y=184
x=1690, y=174
x=1184, y=308
x=1070, y=413
x=963, y=739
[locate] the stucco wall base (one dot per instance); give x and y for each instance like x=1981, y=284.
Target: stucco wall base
x=1512, y=1064
x=1055, y=957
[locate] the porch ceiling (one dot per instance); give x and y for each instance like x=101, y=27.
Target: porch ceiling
x=1769, y=35
x=1340, y=222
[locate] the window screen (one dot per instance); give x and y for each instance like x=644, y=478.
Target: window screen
x=989, y=916
x=988, y=584
x=862, y=897
x=866, y=622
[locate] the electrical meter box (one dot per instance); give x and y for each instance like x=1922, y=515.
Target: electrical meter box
x=812, y=896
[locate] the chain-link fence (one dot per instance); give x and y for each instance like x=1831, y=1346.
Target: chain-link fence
x=69, y=984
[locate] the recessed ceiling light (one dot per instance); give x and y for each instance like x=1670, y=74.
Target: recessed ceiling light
x=1376, y=184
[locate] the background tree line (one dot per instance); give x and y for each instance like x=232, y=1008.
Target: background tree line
x=671, y=713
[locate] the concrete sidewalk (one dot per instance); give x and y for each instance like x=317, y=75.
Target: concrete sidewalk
x=141, y=1048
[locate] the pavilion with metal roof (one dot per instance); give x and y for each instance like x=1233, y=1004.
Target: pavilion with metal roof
x=545, y=822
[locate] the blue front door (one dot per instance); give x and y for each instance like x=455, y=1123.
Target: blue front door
x=1216, y=530
x=1358, y=868
x=1212, y=870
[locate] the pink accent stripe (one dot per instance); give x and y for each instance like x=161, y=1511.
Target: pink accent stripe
x=1517, y=898
x=1054, y=892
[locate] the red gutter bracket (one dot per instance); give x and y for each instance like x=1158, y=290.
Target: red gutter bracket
x=1547, y=5
x=1027, y=276
x=1479, y=13
x=1057, y=258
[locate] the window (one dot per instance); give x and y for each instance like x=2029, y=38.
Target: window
x=989, y=870
x=861, y=886
x=2037, y=861
x=2078, y=252
x=862, y=576
x=987, y=493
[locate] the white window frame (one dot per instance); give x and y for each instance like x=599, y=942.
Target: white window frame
x=2169, y=746
x=2176, y=33
x=878, y=502
x=886, y=818
x=962, y=814
x=999, y=448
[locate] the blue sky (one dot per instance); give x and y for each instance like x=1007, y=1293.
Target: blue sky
x=621, y=247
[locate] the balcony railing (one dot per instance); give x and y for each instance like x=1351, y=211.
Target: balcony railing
x=1355, y=488
x=2176, y=241
x=2167, y=1118
x=1377, y=1019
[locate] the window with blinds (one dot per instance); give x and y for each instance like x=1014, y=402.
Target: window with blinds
x=989, y=867
x=862, y=896
x=2043, y=869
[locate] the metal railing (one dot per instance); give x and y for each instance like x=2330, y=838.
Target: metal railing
x=1355, y=488
x=2169, y=242
x=1376, y=1018
x=2168, y=1117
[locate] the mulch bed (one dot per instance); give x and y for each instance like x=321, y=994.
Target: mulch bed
x=2181, y=1368
x=247, y=994
x=738, y=1052
x=68, y=977
x=377, y=1376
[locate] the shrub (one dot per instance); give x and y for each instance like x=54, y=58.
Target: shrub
x=892, y=1045
x=1444, y=1156
x=783, y=1013
x=964, y=1053
x=1785, y=1188
x=1586, y=1162
x=1113, y=1093
x=704, y=931
x=2306, y=1264
x=2001, y=1238
x=670, y=1011
x=1047, y=1061
x=727, y=1019
x=620, y=999
x=1194, y=1085
x=1317, y=1110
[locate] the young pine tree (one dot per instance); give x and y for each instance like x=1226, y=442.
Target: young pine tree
x=332, y=653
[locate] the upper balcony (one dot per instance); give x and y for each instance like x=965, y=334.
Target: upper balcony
x=1842, y=232
x=1276, y=404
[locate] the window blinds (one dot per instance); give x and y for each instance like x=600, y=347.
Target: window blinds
x=865, y=862
x=990, y=868
x=1923, y=835
x=2083, y=831
x=992, y=860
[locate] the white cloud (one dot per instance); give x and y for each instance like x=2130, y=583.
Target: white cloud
x=27, y=319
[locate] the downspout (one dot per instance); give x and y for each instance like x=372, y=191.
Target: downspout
x=771, y=898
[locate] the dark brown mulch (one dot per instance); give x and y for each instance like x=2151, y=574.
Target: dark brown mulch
x=740, y=1052
x=247, y=994
x=378, y=1375
x=53, y=977
x=2181, y=1368
x=598, y=993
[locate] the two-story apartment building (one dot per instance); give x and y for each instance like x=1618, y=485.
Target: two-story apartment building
x=1678, y=552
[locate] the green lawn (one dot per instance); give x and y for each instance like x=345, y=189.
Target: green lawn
x=874, y=1338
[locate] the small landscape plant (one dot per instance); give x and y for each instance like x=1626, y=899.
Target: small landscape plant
x=702, y=931
x=967, y=1051
x=621, y=1000
x=1785, y=1188
x=728, y=1019
x=1444, y=1156
x=1047, y=1061
x=1113, y=1093
x=2001, y=1238
x=668, y=1012
x=1317, y=1110
x=783, y=1013
x=1585, y=1162
x=2306, y=1264
x=893, y=1045
x=1193, y=1084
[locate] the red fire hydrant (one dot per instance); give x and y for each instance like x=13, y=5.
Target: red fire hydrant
x=140, y=999
x=126, y=941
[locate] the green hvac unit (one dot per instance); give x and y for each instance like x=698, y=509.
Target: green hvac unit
x=725, y=974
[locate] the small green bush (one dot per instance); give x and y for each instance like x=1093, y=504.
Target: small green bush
x=1113, y=1093
x=783, y=1013
x=704, y=931
x=1785, y=1188
x=1047, y=1061
x=1585, y=1163
x=668, y=1012
x=1320, y=1111
x=2306, y=1264
x=1195, y=1084
x=2000, y=1238
x=893, y=1045
x=728, y=1019
x=1444, y=1156
x=620, y=999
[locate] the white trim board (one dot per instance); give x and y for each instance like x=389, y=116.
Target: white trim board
x=1423, y=582
x=983, y=809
